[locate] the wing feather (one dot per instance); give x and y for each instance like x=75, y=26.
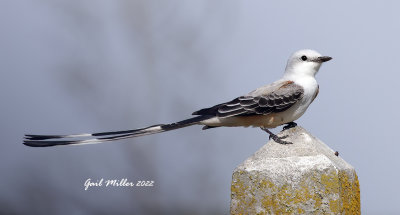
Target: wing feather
x=259, y=102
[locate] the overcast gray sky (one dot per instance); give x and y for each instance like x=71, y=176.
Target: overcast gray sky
x=83, y=66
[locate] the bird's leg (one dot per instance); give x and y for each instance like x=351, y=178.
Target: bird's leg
x=275, y=137
x=289, y=125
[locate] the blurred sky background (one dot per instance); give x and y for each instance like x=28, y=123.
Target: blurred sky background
x=70, y=66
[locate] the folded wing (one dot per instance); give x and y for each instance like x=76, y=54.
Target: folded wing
x=263, y=101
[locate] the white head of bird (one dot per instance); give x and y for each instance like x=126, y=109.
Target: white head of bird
x=305, y=62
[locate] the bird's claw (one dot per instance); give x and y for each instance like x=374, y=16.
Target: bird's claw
x=276, y=138
x=289, y=125
x=279, y=139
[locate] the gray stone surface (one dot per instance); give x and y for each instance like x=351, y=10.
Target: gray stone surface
x=303, y=177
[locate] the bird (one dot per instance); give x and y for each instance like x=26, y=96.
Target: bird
x=279, y=103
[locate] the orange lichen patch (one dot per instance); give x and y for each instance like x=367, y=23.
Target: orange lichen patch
x=334, y=192
x=350, y=193
x=334, y=205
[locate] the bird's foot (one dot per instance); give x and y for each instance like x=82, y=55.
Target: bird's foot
x=289, y=125
x=276, y=138
x=279, y=139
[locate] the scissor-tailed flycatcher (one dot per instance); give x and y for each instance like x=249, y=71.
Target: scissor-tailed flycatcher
x=281, y=102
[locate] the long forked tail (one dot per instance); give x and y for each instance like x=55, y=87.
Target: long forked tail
x=47, y=140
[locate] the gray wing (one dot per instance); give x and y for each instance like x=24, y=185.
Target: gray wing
x=259, y=102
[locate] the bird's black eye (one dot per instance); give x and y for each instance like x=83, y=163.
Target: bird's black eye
x=304, y=58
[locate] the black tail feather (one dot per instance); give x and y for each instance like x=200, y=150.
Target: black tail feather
x=45, y=140
x=42, y=137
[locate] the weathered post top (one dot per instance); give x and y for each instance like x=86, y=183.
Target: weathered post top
x=303, y=177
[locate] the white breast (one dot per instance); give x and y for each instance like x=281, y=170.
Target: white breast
x=310, y=87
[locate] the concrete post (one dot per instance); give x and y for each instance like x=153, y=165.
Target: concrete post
x=305, y=177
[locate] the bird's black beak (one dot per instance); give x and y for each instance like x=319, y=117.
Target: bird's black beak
x=323, y=59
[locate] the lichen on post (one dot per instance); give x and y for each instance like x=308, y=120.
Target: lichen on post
x=304, y=177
